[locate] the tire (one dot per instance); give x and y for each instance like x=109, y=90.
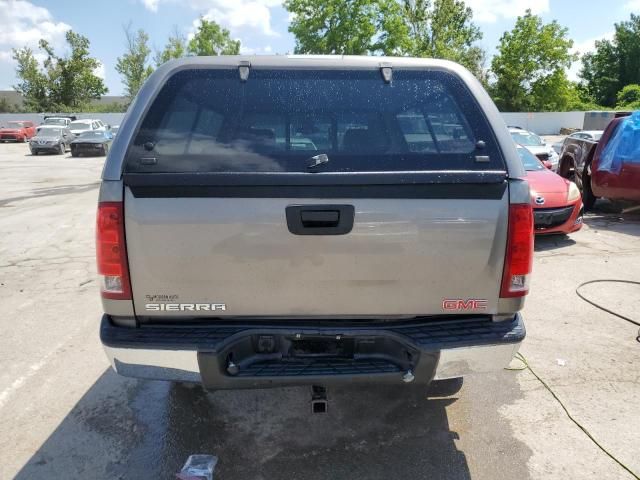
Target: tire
x=75, y=154
x=23, y=140
x=588, y=198
x=564, y=167
x=34, y=153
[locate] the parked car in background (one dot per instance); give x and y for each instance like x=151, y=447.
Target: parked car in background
x=17, y=131
x=91, y=143
x=557, y=204
x=579, y=161
x=51, y=139
x=593, y=135
x=87, y=125
x=536, y=145
x=60, y=121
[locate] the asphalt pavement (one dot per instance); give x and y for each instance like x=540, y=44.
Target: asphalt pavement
x=64, y=414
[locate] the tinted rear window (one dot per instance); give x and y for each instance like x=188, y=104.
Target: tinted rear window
x=210, y=121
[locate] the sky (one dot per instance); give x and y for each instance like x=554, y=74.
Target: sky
x=261, y=25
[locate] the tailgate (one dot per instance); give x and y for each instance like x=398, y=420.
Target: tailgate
x=403, y=256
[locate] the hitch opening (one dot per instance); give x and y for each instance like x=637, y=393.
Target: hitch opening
x=319, y=402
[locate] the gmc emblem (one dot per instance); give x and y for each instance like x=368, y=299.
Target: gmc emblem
x=460, y=304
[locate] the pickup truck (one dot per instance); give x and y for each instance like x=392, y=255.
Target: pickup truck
x=580, y=161
x=287, y=220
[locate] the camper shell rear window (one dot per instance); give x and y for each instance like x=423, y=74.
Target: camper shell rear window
x=208, y=120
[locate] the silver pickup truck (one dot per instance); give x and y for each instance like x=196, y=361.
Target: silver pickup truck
x=282, y=220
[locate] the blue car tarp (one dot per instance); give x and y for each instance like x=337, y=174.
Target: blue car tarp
x=623, y=147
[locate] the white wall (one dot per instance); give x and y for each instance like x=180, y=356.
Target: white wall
x=544, y=123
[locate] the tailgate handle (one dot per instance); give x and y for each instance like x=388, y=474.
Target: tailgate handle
x=320, y=219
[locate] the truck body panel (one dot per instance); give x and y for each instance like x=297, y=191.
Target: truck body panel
x=239, y=252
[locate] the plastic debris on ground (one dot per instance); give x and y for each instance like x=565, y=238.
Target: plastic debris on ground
x=198, y=467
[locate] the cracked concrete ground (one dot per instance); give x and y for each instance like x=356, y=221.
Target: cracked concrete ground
x=64, y=414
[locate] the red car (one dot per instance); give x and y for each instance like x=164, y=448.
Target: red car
x=557, y=204
x=18, y=131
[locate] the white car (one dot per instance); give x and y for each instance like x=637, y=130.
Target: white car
x=535, y=145
x=87, y=125
x=593, y=135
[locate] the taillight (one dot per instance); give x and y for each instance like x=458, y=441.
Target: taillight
x=111, y=252
x=519, y=257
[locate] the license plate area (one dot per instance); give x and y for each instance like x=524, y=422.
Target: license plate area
x=275, y=355
x=318, y=347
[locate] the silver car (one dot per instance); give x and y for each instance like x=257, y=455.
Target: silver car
x=312, y=220
x=592, y=135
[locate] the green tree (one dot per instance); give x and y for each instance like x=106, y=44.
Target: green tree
x=348, y=27
x=176, y=47
x=530, y=66
x=32, y=83
x=600, y=73
x=106, y=107
x=72, y=79
x=6, y=106
x=133, y=64
x=421, y=28
x=444, y=29
x=211, y=39
x=579, y=99
x=614, y=63
x=628, y=96
x=65, y=83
